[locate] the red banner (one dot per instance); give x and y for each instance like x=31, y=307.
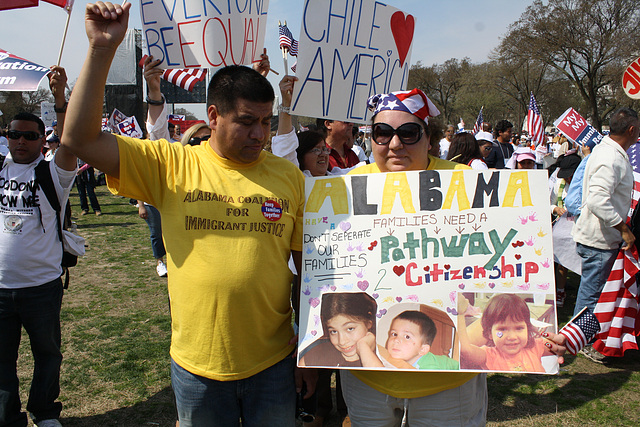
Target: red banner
x=17, y=4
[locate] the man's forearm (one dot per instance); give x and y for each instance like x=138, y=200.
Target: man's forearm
x=83, y=134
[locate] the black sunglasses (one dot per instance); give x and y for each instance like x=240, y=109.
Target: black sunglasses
x=29, y=135
x=409, y=133
x=196, y=140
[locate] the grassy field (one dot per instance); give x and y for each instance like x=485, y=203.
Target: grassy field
x=116, y=333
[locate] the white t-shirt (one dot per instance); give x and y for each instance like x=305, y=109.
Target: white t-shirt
x=444, y=148
x=30, y=251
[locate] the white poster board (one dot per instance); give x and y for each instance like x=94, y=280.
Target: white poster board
x=348, y=51
x=204, y=34
x=47, y=112
x=385, y=244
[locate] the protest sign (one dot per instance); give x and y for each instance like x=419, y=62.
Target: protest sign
x=383, y=244
x=130, y=127
x=576, y=128
x=204, y=34
x=19, y=74
x=47, y=113
x=116, y=117
x=349, y=51
x=631, y=80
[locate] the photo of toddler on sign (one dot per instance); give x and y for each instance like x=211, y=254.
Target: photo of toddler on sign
x=410, y=337
x=507, y=335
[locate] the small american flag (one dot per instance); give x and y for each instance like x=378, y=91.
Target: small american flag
x=478, y=126
x=287, y=41
x=534, y=122
x=580, y=330
x=185, y=78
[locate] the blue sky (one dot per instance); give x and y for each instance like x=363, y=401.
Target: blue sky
x=444, y=29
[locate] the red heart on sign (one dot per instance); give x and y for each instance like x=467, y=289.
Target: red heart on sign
x=398, y=269
x=402, y=30
x=518, y=256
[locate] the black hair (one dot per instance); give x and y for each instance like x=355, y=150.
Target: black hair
x=306, y=142
x=357, y=305
x=425, y=324
x=321, y=125
x=502, y=126
x=464, y=148
x=28, y=117
x=621, y=120
x=237, y=81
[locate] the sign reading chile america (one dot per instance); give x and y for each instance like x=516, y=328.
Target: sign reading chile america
x=19, y=74
x=271, y=210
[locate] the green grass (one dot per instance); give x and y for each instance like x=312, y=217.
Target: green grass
x=116, y=335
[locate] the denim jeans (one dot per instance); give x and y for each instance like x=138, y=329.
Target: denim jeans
x=465, y=405
x=86, y=183
x=36, y=309
x=596, y=266
x=267, y=398
x=154, y=222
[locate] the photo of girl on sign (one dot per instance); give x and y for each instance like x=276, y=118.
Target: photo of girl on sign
x=508, y=335
x=349, y=328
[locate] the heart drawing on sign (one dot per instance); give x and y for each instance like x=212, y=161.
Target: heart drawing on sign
x=363, y=285
x=398, y=269
x=402, y=30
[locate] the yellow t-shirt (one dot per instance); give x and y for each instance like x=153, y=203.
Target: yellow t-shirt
x=228, y=229
x=407, y=385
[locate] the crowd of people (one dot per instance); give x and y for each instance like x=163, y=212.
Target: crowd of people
x=230, y=364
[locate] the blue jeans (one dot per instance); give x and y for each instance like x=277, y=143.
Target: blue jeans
x=86, y=183
x=596, y=266
x=37, y=309
x=267, y=398
x=154, y=222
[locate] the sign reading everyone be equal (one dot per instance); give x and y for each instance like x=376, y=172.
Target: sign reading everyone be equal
x=204, y=34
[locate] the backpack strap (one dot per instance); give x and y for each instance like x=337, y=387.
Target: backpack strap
x=45, y=181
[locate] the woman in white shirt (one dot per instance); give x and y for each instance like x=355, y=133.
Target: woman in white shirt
x=465, y=149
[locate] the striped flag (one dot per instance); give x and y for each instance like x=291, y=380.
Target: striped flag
x=617, y=308
x=580, y=330
x=287, y=41
x=534, y=122
x=185, y=78
x=478, y=126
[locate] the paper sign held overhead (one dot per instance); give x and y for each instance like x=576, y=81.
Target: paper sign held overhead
x=576, y=128
x=350, y=50
x=19, y=74
x=204, y=34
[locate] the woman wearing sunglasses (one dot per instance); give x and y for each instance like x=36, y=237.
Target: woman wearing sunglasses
x=308, y=150
x=401, y=137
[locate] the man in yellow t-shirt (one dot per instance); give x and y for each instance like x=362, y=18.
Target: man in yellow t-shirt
x=231, y=215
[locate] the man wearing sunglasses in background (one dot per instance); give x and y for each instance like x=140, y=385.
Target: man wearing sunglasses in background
x=30, y=258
